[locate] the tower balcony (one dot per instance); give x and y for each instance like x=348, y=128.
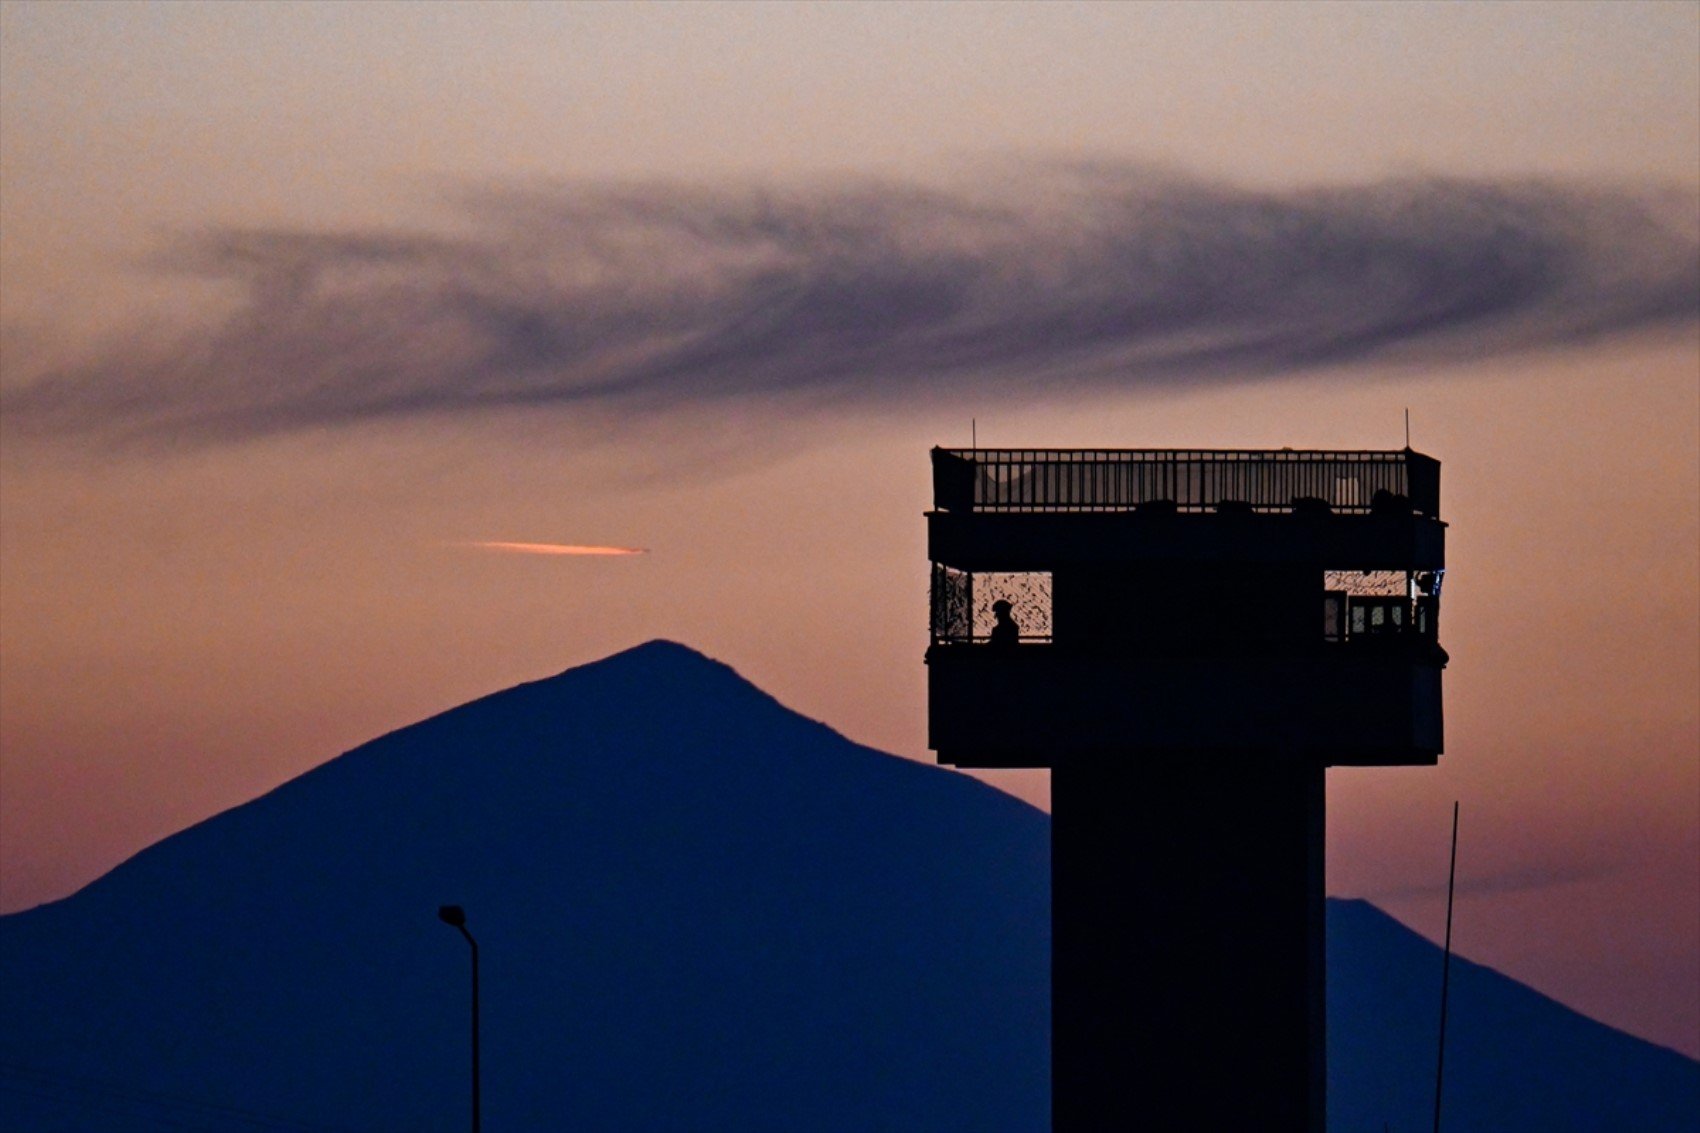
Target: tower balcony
x=1025, y=481
x=1104, y=604
x=1372, y=702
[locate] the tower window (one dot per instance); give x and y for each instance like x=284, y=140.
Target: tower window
x=1378, y=603
x=964, y=603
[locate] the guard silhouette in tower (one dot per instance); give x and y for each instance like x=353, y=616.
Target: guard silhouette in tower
x=1201, y=634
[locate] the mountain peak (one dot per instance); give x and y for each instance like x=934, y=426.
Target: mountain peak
x=659, y=695
x=657, y=653
x=661, y=647
x=657, y=669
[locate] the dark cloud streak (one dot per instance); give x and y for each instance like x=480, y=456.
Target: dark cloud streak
x=628, y=300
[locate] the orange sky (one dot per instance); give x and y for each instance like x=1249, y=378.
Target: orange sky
x=189, y=623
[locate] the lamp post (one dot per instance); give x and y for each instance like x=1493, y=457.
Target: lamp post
x=456, y=916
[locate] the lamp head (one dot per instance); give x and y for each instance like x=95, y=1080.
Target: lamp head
x=452, y=915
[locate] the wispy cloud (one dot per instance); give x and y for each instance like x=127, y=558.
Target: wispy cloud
x=551, y=549
x=1548, y=875
x=614, y=301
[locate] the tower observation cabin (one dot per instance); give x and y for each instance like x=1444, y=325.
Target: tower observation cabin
x=1187, y=639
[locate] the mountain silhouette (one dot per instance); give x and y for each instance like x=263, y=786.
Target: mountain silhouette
x=1515, y=1059
x=696, y=910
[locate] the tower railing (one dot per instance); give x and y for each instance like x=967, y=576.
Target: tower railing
x=1189, y=480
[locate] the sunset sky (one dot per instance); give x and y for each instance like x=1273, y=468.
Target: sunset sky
x=317, y=316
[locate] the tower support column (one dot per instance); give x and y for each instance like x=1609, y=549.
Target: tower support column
x=1187, y=942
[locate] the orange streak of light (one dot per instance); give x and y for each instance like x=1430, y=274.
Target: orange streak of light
x=554, y=549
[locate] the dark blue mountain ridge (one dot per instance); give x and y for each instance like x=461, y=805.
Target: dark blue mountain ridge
x=697, y=910
x=1517, y=1061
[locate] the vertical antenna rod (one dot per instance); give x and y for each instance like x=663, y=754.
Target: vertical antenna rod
x=1446, y=968
x=973, y=432
x=1407, y=426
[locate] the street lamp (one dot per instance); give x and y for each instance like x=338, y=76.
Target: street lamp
x=456, y=916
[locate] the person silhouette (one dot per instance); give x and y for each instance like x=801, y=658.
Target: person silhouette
x=1006, y=633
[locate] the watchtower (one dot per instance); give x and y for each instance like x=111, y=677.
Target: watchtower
x=1197, y=635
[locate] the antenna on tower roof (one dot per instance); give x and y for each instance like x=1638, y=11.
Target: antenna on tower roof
x=973, y=433
x=1407, y=427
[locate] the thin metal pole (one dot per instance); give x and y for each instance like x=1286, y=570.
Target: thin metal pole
x=1446, y=968
x=476, y=1108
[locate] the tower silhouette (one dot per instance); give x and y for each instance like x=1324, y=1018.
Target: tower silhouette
x=1197, y=635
